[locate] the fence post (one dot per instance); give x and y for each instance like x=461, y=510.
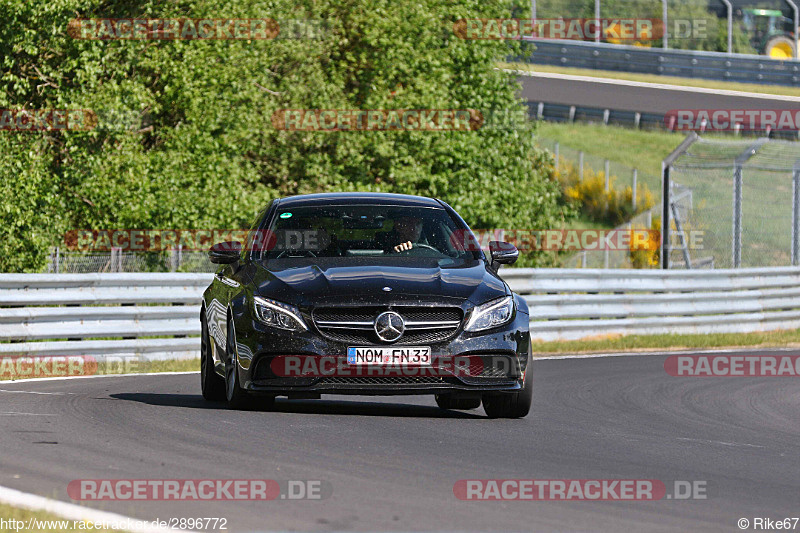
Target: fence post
x=580, y=165
x=666, y=190
x=796, y=214
x=736, y=222
x=607, y=172
x=738, y=165
x=58, y=260
x=635, y=179
x=597, y=20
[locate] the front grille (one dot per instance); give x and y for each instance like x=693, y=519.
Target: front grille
x=355, y=325
x=398, y=380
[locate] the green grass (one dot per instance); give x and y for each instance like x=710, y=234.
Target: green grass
x=131, y=365
x=584, y=222
x=8, y=512
x=653, y=78
x=640, y=149
x=671, y=341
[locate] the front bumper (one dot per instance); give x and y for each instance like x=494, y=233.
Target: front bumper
x=504, y=352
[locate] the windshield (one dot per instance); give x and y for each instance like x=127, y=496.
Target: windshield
x=360, y=231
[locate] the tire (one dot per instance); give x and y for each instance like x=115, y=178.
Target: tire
x=236, y=396
x=447, y=401
x=212, y=386
x=780, y=47
x=514, y=405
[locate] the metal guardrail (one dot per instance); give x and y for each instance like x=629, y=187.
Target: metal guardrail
x=568, y=304
x=135, y=314
x=150, y=315
x=684, y=63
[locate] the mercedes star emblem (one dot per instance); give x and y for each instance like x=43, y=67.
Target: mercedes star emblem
x=389, y=326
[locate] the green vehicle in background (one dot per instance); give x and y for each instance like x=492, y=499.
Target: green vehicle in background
x=770, y=32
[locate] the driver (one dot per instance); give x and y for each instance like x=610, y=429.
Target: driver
x=407, y=230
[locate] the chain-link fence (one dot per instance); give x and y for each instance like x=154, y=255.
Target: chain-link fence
x=733, y=203
x=648, y=192
x=619, y=174
x=116, y=260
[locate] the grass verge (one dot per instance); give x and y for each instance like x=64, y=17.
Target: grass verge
x=640, y=149
x=41, y=521
x=14, y=368
x=653, y=78
x=767, y=339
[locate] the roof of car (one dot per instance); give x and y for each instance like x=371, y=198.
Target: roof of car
x=374, y=198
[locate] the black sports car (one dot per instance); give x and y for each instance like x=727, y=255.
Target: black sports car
x=365, y=293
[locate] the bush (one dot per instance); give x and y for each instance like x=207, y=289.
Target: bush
x=613, y=206
x=209, y=156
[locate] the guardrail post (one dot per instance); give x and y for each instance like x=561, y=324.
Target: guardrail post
x=796, y=214
x=794, y=25
x=633, y=197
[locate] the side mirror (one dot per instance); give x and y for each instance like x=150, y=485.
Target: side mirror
x=225, y=253
x=502, y=253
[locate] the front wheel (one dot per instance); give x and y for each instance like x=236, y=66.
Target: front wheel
x=212, y=386
x=514, y=405
x=237, y=397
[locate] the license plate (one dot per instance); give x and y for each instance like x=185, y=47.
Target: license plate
x=389, y=355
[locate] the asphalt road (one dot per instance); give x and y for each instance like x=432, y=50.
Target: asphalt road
x=641, y=98
x=392, y=462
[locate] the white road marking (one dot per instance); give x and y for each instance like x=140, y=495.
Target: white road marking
x=661, y=86
x=737, y=350
x=10, y=413
x=721, y=442
x=33, y=392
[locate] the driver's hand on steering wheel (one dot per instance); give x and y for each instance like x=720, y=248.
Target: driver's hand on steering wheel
x=403, y=246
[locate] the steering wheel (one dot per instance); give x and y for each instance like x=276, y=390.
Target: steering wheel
x=418, y=245
x=296, y=253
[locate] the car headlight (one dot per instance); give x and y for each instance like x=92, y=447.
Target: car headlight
x=278, y=315
x=491, y=314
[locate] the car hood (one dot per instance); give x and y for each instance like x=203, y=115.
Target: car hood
x=305, y=282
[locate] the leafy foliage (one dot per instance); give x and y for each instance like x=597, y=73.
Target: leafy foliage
x=206, y=155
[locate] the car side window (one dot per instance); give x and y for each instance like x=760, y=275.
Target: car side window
x=251, y=247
